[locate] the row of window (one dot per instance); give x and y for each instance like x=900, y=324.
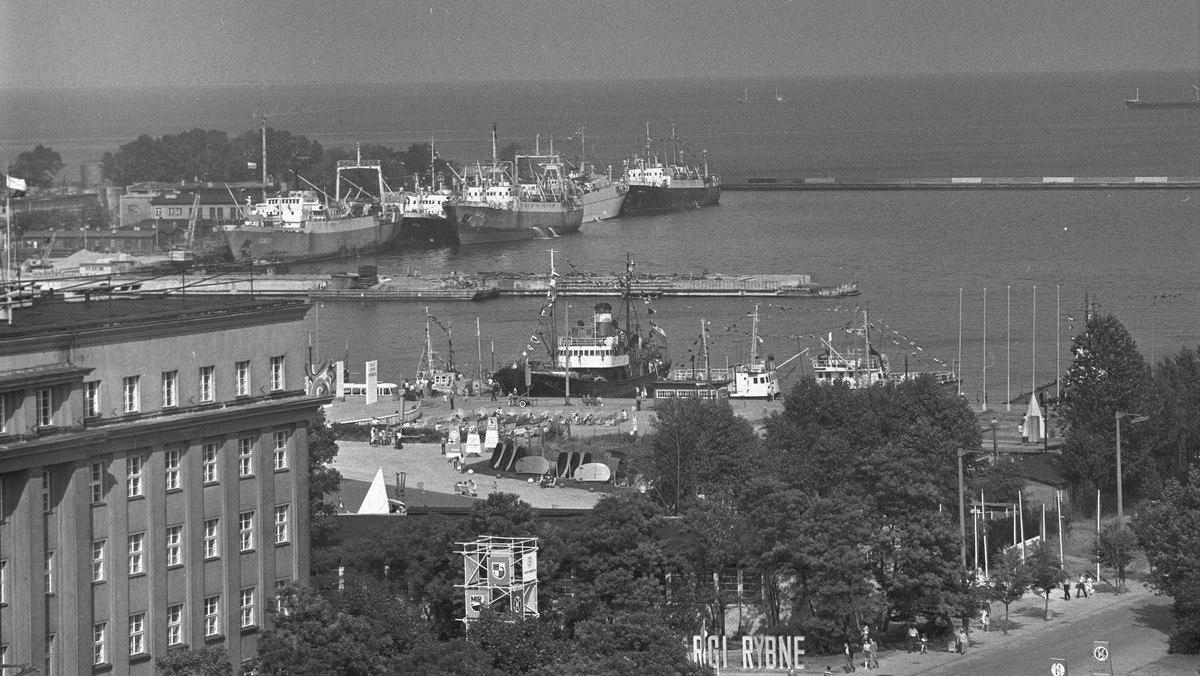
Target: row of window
x=175, y=543
x=173, y=468
x=175, y=617
x=131, y=387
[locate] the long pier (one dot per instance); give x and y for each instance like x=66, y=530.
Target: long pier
x=771, y=183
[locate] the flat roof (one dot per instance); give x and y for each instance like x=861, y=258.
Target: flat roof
x=51, y=316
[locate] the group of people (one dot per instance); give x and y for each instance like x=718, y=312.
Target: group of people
x=466, y=488
x=382, y=436
x=870, y=651
x=1083, y=587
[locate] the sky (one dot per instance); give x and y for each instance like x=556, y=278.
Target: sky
x=73, y=43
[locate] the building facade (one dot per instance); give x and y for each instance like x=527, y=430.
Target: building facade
x=153, y=478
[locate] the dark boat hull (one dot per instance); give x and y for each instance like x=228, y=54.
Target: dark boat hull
x=427, y=231
x=320, y=240
x=549, y=384
x=534, y=220
x=649, y=199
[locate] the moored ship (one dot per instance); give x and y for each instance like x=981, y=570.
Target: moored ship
x=864, y=366
x=298, y=226
x=423, y=210
x=497, y=207
x=606, y=358
x=602, y=196
x=1137, y=103
x=658, y=187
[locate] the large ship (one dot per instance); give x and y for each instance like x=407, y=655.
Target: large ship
x=602, y=196
x=1137, y=103
x=499, y=204
x=657, y=187
x=423, y=210
x=608, y=357
x=298, y=226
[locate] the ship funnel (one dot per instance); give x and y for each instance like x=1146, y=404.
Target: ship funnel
x=603, y=320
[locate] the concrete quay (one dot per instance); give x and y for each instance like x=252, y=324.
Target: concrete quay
x=777, y=183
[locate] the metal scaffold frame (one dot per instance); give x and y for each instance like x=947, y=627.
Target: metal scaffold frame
x=499, y=573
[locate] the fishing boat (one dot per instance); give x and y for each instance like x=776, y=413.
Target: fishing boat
x=863, y=366
x=756, y=378
x=1138, y=104
x=502, y=205
x=299, y=226
x=657, y=187
x=610, y=356
x=435, y=375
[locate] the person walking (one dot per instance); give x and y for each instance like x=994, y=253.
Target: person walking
x=866, y=652
x=912, y=637
x=1087, y=586
x=874, y=654
x=985, y=619
x=924, y=644
x=962, y=642
x=1067, y=589
x=849, y=655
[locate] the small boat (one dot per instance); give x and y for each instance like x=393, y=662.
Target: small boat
x=298, y=226
x=778, y=98
x=1137, y=103
x=656, y=187
x=745, y=96
x=502, y=205
x=609, y=357
x=858, y=367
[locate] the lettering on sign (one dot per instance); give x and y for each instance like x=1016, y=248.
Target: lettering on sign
x=757, y=652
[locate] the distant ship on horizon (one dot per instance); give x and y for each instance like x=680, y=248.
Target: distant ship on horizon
x=1138, y=104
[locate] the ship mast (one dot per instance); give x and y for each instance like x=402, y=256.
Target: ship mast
x=704, y=345
x=754, y=337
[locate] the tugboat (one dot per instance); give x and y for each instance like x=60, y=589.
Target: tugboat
x=603, y=358
x=499, y=208
x=655, y=187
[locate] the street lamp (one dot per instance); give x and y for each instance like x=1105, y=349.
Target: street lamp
x=995, y=447
x=1134, y=418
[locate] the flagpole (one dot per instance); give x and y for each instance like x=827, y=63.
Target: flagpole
x=985, y=352
x=983, y=506
x=1008, y=353
x=1062, y=559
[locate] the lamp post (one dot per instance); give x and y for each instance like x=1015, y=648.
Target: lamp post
x=1134, y=418
x=995, y=447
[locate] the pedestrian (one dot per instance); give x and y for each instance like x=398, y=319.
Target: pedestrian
x=1087, y=586
x=866, y=651
x=495, y=390
x=985, y=619
x=924, y=644
x=1067, y=590
x=874, y=654
x=912, y=637
x=962, y=642
x=849, y=655
x=451, y=400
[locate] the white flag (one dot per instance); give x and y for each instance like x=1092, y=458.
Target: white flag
x=15, y=183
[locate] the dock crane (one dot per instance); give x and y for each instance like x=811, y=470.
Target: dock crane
x=262, y=115
x=186, y=254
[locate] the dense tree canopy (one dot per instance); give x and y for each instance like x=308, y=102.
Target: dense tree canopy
x=38, y=166
x=1168, y=531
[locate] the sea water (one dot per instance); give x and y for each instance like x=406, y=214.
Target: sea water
x=923, y=259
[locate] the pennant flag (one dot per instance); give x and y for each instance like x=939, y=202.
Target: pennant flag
x=659, y=330
x=650, y=310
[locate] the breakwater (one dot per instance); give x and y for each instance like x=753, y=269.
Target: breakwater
x=769, y=183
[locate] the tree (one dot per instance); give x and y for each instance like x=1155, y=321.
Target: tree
x=202, y=661
x=1176, y=426
x=1009, y=581
x=323, y=479
x=1115, y=549
x=38, y=166
x=1045, y=572
x=1168, y=531
x=1107, y=375
x=698, y=448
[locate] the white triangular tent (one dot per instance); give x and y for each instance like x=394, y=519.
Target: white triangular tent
x=376, y=501
x=1035, y=422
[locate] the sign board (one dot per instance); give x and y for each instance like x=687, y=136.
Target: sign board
x=1102, y=657
x=1058, y=666
x=372, y=368
x=500, y=568
x=529, y=567
x=492, y=437
x=475, y=600
x=339, y=369
x=757, y=652
x=474, y=446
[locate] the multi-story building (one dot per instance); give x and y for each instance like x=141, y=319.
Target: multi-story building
x=153, y=478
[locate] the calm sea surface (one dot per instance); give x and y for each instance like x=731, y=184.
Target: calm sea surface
x=1135, y=251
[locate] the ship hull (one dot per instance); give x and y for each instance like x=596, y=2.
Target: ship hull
x=533, y=220
x=650, y=199
x=1161, y=105
x=552, y=384
x=317, y=240
x=603, y=204
x=427, y=231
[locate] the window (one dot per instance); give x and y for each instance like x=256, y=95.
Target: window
x=245, y=456
x=131, y=387
x=276, y=374
x=134, y=465
x=48, y=573
x=98, y=547
x=175, y=545
x=246, y=530
x=281, y=594
x=45, y=407
x=209, y=453
x=248, y=607
x=281, y=444
x=207, y=385
x=3, y=581
x=212, y=616
x=170, y=390
x=243, y=378
x=99, y=656
x=96, y=483
x=3, y=414
x=50, y=661
x=91, y=399
x=137, y=542
x=211, y=544
x=171, y=468
x=175, y=624
x=281, y=524
x=46, y=483
x=137, y=634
